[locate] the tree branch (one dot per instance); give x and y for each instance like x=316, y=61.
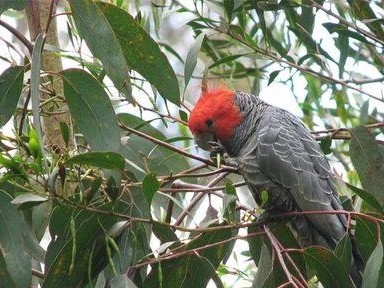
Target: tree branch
x=18, y=35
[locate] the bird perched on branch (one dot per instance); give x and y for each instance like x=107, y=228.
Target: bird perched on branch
x=274, y=152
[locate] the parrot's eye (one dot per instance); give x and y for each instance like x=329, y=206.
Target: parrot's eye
x=209, y=123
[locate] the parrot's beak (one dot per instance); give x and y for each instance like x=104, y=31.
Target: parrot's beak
x=203, y=140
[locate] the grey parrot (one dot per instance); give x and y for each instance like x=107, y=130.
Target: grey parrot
x=276, y=153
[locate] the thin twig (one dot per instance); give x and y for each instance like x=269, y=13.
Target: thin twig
x=303, y=69
x=170, y=256
x=197, y=198
x=347, y=23
x=198, y=188
x=18, y=35
x=38, y=274
x=167, y=145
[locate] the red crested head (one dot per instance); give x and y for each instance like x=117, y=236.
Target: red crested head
x=215, y=113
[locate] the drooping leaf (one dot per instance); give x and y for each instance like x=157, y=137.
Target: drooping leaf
x=121, y=281
x=12, y=4
x=329, y=269
x=150, y=186
x=91, y=110
x=344, y=251
x=141, y=52
x=272, y=76
x=367, y=197
x=372, y=269
x=174, y=272
x=226, y=59
x=35, y=89
x=366, y=236
x=11, y=83
x=102, y=41
x=105, y=160
x=368, y=161
x=191, y=61
x=14, y=260
x=325, y=145
x=76, y=246
x=264, y=276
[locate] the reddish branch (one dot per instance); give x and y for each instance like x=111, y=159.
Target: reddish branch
x=277, y=248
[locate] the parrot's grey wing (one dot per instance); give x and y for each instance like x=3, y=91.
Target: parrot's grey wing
x=290, y=156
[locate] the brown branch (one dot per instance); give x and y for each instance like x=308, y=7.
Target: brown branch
x=197, y=198
x=18, y=35
x=167, y=145
x=197, y=188
x=347, y=23
x=374, y=125
x=38, y=274
x=364, y=81
x=275, y=57
x=276, y=246
x=170, y=256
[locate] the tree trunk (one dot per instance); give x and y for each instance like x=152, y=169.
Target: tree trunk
x=38, y=14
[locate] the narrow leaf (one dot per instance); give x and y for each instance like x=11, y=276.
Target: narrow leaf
x=141, y=52
x=35, y=88
x=105, y=160
x=368, y=161
x=16, y=262
x=102, y=41
x=150, y=186
x=11, y=83
x=330, y=271
x=272, y=76
x=92, y=110
x=372, y=269
x=191, y=61
x=344, y=251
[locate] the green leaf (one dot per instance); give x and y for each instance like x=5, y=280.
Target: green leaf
x=372, y=269
x=91, y=110
x=102, y=41
x=366, y=236
x=226, y=59
x=344, y=251
x=14, y=261
x=264, y=275
x=273, y=75
x=150, y=186
x=367, y=197
x=191, y=61
x=121, y=281
x=11, y=83
x=325, y=145
x=64, y=129
x=173, y=273
x=105, y=160
x=230, y=189
x=35, y=89
x=183, y=115
x=329, y=269
x=141, y=52
x=368, y=161
x=12, y=4
x=28, y=200
x=87, y=253
x=255, y=242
